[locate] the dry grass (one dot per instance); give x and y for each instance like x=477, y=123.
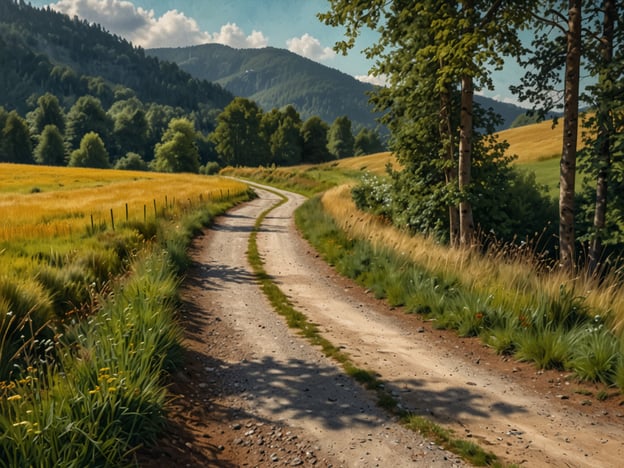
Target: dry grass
x=510, y=281
x=43, y=202
x=375, y=163
x=536, y=142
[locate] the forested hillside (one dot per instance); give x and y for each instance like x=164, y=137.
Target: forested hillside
x=44, y=51
x=276, y=77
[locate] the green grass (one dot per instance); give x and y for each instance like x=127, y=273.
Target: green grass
x=93, y=389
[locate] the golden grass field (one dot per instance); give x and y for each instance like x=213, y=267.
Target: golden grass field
x=40, y=201
x=532, y=144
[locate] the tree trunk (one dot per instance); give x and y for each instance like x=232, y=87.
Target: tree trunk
x=450, y=169
x=466, y=222
x=570, y=134
x=603, y=137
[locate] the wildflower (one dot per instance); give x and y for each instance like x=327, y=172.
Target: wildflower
x=479, y=315
x=95, y=390
x=112, y=389
x=14, y=397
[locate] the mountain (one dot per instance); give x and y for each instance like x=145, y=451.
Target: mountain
x=276, y=77
x=45, y=51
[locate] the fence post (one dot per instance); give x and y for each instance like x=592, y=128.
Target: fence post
x=92, y=226
x=112, y=219
x=155, y=212
x=144, y=213
x=126, y=212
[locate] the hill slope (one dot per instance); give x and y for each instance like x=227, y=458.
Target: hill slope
x=45, y=51
x=276, y=77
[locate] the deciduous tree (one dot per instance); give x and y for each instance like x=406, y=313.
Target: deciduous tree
x=238, y=137
x=177, y=152
x=51, y=149
x=340, y=139
x=92, y=153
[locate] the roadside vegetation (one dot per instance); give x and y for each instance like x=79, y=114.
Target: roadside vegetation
x=88, y=321
x=508, y=296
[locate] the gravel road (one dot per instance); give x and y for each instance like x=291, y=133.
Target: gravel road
x=254, y=393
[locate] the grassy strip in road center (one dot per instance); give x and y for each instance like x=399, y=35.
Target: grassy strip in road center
x=469, y=451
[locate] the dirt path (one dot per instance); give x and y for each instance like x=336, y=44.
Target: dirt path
x=255, y=394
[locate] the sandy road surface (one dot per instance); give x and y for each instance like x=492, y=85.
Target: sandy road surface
x=269, y=375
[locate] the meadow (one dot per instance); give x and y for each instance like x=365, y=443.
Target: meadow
x=90, y=264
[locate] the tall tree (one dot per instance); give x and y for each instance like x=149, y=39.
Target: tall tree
x=340, y=139
x=432, y=49
x=604, y=144
x=367, y=141
x=314, y=137
x=567, y=177
x=87, y=115
x=177, y=152
x=51, y=149
x=16, y=140
x=91, y=153
x=47, y=112
x=238, y=137
x=130, y=128
x=286, y=142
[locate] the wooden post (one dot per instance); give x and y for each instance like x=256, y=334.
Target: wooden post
x=126, y=212
x=112, y=219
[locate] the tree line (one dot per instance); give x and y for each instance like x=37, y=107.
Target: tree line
x=437, y=54
x=134, y=135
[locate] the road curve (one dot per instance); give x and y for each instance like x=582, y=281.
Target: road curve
x=291, y=382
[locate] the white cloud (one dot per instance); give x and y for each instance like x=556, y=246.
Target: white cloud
x=234, y=36
x=381, y=80
x=310, y=47
x=142, y=27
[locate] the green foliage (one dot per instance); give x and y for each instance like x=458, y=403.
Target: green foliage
x=87, y=115
x=525, y=119
x=595, y=354
x=16, y=146
x=238, y=137
x=551, y=332
x=314, y=135
x=130, y=126
x=50, y=150
x=44, y=49
x=367, y=142
x=210, y=168
x=131, y=162
x=276, y=78
x=47, y=112
x=340, y=141
x=177, y=151
x=92, y=153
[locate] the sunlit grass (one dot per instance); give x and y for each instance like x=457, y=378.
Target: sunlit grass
x=68, y=199
x=536, y=142
x=512, y=281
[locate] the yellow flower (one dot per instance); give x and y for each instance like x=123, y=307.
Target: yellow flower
x=14, y=397
x=104, y=369
x=112, y=389
x=95, y=390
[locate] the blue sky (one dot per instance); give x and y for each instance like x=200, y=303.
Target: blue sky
x=287, y=24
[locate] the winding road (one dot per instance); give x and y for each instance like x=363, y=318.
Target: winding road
x=270, y=375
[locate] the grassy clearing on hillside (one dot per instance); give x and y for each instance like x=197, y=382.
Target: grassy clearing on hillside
x=536, y=142
x=87, y=316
